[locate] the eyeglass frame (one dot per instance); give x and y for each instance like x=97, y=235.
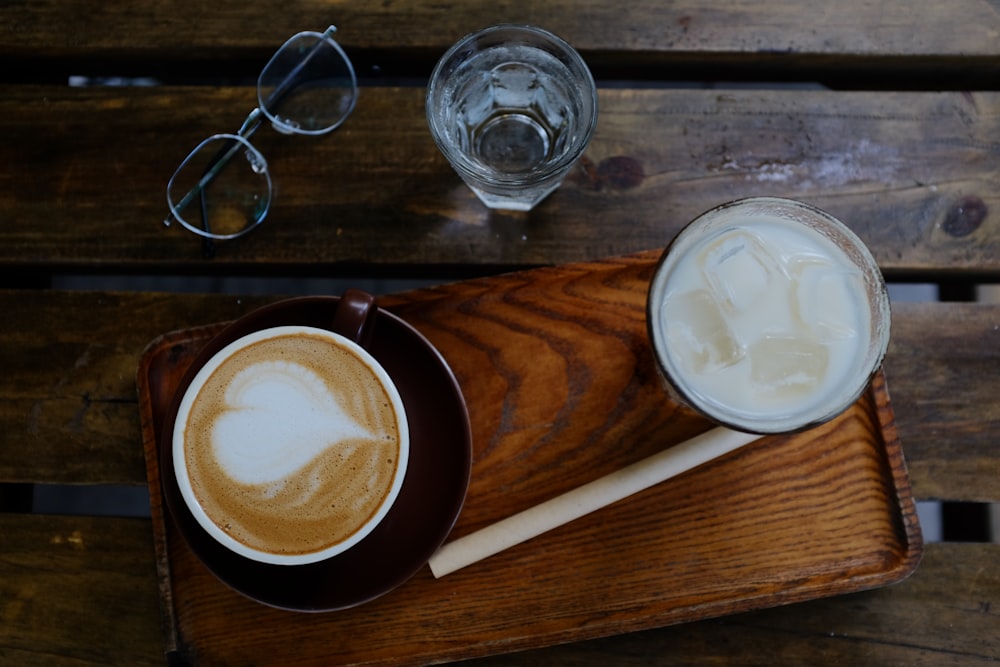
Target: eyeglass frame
x=240, y=140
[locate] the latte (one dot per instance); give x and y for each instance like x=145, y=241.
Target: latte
x=290, y=445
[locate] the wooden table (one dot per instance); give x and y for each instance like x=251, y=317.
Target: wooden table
x=901, y=142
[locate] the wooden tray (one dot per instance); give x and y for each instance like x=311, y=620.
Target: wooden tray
x=555, y=367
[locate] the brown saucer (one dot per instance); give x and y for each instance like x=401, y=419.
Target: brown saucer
x=428, y=504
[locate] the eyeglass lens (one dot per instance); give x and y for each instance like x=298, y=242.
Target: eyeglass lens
x=231, y=194
x=309, y=86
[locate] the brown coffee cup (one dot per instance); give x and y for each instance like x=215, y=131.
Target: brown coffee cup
x=433, y=490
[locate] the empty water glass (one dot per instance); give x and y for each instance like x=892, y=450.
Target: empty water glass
x=512, y=107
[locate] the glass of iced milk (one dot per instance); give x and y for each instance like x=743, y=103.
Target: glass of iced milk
x=767, y=315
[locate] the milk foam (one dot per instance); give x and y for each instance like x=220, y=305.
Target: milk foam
x=279, y=416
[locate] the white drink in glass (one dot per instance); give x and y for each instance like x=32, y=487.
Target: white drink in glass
x=768, y=315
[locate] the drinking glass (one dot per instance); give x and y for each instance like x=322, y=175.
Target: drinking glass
x=767, y=315
x=512, y=107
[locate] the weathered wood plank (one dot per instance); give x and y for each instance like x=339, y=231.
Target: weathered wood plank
x=941, y=366
x=915, y=174
x=83, y=591
x=67, y=392
x=78, y=591
x=778, y=34
x=68, y=383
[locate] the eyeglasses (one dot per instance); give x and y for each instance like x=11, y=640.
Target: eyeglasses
x=223, y=189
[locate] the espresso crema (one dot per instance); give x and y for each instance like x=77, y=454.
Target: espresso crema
x=292, y=444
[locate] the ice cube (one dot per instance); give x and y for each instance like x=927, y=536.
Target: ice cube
x=697, y=333
x=739, y=269
x=827, y=298
x=787, y=366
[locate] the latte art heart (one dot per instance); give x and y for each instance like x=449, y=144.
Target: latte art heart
x=279, y=416
x=294, y=443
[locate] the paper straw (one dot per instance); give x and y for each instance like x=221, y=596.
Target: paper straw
x=585, y=499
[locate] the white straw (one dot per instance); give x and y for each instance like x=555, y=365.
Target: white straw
x=587, y=498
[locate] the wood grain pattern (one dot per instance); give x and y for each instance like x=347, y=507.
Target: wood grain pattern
x=940, y=366
x=556, y=372
x=187, y=31
x=943, y=615
x=915, y=174
x=57, y=571
x=78, y=591
x=82, y=190
x=946, y=422
x=68, y=383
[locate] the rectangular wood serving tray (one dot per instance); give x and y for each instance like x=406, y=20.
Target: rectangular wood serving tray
x=556, y=369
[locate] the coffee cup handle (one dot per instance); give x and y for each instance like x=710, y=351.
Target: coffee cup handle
x=354, y=317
